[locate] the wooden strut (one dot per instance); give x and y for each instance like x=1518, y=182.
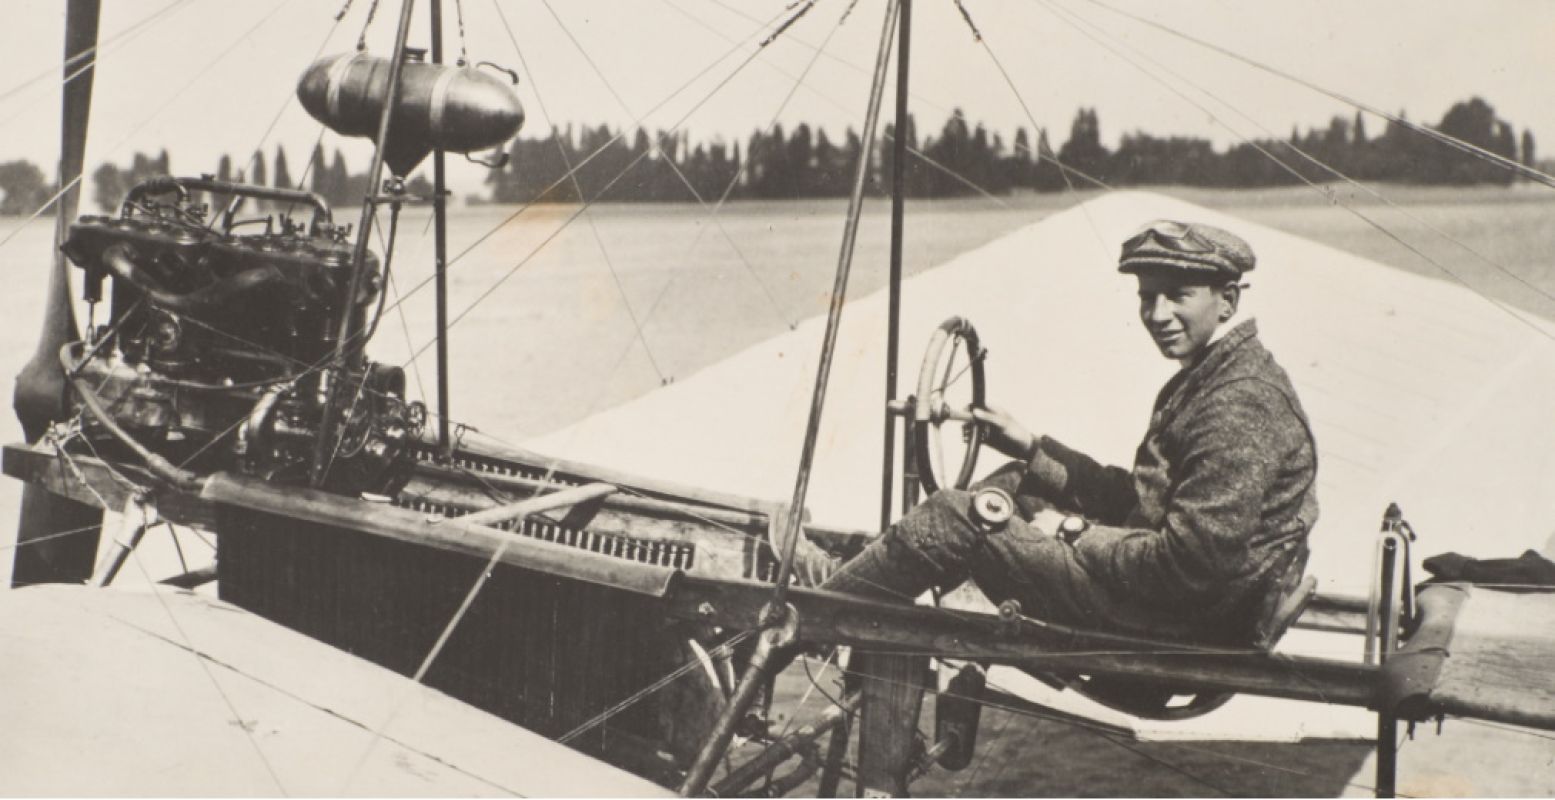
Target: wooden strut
x=779, y=621
x=136, y=516
x=773, y=649
x=1387, y=639
x=798, y=743
x=534, y=505
x=838, y=299
x=440, y=256
x=344, y=333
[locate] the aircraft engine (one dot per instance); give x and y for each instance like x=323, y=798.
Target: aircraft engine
x=210, y=353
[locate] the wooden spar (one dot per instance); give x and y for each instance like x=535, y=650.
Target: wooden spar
x=894, y=284
x=838, y=298
x=826, y=617
x=39, y=397
x=440, y=256
x=832, y=618
x=534, y=505
x=344, y=333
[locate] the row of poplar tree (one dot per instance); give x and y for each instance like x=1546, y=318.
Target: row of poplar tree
x=604, y=165
x=599, y=164
x=329, y=178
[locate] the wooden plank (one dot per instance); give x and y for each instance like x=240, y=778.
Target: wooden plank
x=1498, y=667
x=892, y=697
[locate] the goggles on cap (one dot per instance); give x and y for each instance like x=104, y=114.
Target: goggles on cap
x=1173, y=236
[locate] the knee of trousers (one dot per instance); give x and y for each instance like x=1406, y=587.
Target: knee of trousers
x=941, y=532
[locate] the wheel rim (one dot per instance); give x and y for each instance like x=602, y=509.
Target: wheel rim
x=937, y=374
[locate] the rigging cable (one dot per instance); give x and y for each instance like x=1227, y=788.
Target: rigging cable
x=656, y=145
x=586, y=160
x=1401, y=210
x=196, y=76
x=577, y=185
x=372, y=11
x=1041, y=135
x=481, y=581
x=172, y=618
x=1469, y=148
x=1530, y=324
x=275, y=120
x=602, y=192
x=84, y=60
x=916, y=152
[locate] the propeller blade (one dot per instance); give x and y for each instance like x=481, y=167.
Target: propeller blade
x=40, y=397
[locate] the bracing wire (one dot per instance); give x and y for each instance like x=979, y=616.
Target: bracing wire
x=1041, y=133
x=1313, y=160
x=1061, y=14
x=1431, y=133
x=196, y=76
x=85, y=60
x=585, y=161
x=182, y=634
x=431, y=656
x=577, y=185
x=912, y=150
x=587, y=203
x=669, y=161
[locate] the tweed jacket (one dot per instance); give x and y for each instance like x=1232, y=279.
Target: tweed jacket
x=1212, y=522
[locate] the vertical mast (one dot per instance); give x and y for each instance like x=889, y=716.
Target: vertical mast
x=440, y=235
x=834, y=313
x=894, y=313
x=345, y=333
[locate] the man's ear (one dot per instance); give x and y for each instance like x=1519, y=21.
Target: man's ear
x=1230, y=295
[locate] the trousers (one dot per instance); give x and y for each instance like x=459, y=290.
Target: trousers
x=939, y=545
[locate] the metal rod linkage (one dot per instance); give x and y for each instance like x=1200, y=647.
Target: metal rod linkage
x=440, y=244
x=894, y=305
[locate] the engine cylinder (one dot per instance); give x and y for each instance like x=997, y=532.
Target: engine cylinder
x=453, y=108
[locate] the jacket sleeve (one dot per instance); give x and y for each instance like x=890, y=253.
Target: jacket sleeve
x=1077, y=482
x=1231, y=451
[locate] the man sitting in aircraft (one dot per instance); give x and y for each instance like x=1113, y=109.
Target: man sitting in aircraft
x=1199, y=540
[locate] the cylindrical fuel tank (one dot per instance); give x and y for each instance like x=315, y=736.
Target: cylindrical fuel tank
x=458, y=109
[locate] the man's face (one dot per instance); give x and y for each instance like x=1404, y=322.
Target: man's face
x=1180, y=314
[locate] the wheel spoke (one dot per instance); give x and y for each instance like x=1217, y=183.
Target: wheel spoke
x=955, y=346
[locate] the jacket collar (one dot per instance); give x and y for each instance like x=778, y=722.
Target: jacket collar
x=1220, y=347
x=1215, y=357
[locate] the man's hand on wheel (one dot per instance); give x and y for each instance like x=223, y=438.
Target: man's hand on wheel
x=1005, y=434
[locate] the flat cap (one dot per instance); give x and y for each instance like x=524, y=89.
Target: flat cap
x=1195, y=248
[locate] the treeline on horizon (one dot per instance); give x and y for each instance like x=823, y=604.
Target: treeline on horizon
x=967, y=159
x=25, y=189
x=806, y=162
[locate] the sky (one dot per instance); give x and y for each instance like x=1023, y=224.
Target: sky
x=207, y=77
